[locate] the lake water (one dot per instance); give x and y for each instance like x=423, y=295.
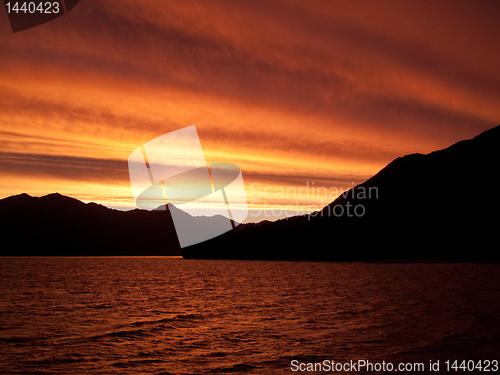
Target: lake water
x=177, y=316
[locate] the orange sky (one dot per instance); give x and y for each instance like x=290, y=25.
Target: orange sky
x=293, y=92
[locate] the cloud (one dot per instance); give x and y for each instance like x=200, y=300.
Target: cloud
x=284, y=89
x=321, y=65
x=64, y=167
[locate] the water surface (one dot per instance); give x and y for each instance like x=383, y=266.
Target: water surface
x=176, y=316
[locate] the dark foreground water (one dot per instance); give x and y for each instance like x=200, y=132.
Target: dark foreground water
x=176, y=316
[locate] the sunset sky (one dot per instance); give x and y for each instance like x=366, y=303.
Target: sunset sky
x=293, y=92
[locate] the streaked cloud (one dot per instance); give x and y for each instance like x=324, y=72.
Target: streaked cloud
x=291, y=91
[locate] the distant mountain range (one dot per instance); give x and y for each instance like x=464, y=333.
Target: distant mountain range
x=60, y=225
x=443, y=205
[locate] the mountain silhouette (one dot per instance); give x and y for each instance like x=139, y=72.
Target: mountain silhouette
x=442, y=205
x=195, y=229
x=58, y=225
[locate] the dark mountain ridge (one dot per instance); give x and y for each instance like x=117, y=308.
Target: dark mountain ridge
x=59, y=225
x=442, y=205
